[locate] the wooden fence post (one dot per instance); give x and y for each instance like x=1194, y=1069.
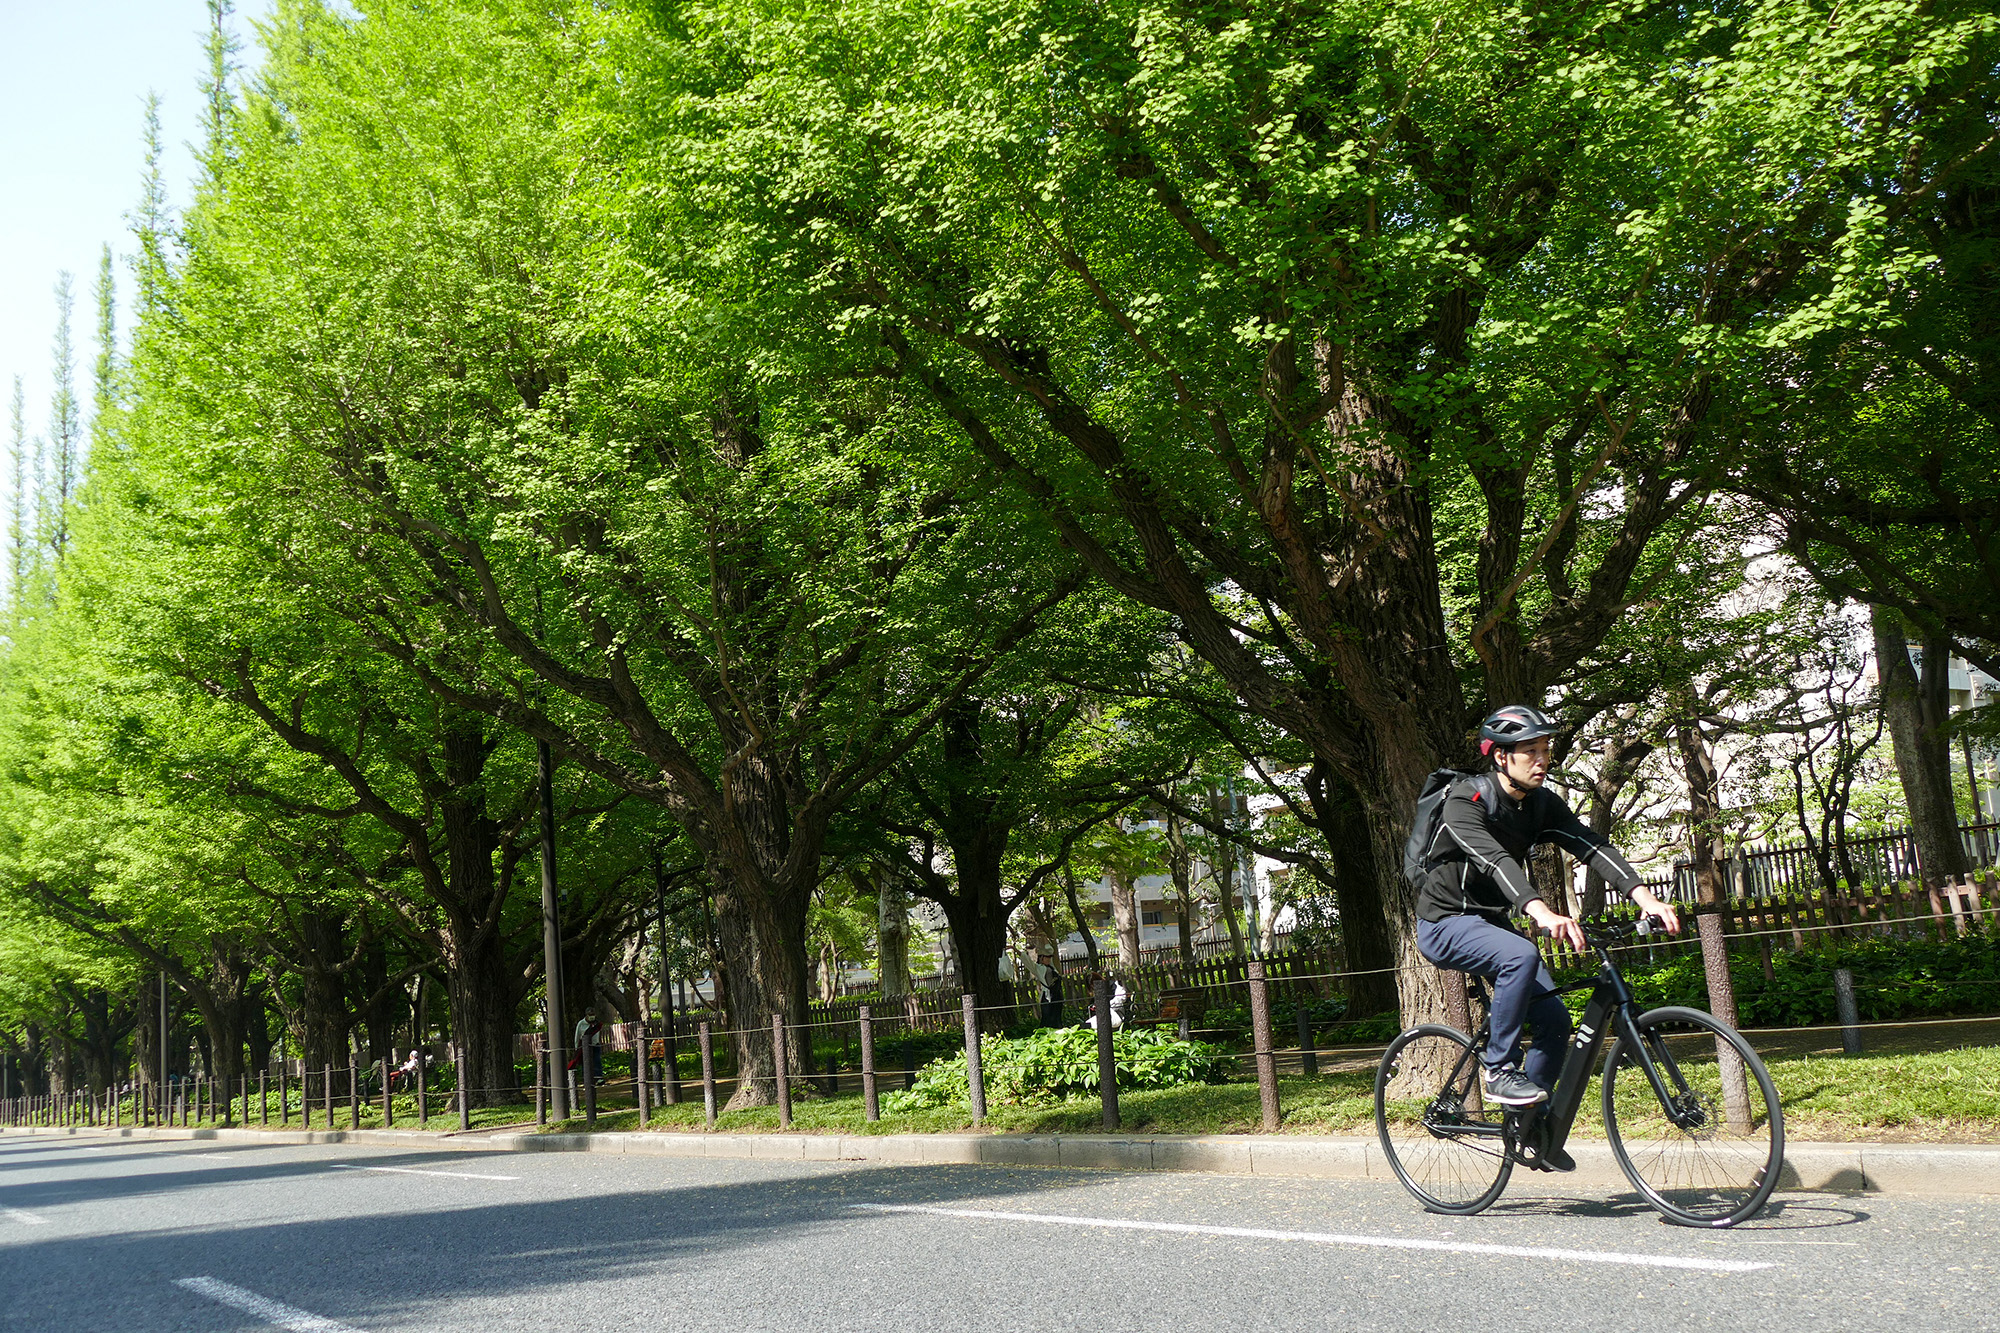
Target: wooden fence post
x=1260, y=1035
x=780, y=1071
x=1308, y=1057
x=1107, y=1055
x=975, y=1080
x=1850, y=1014
x=388, y=1106
x=464, y=1093
x=871, y=1105
x=707, y=1076
x=640, y=1060
x=670, y=1066
x=1722, y=1003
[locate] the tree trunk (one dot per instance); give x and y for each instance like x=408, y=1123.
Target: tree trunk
x=322, y=993
x=146, y=1033
x=892, y=931
x=480, y=990
x=1705, y=840
x=1550, y=873
x=1622, y=756
x=375, y=1003
x=1365, y=935
x=978, y=920
x=480, y=983
x=34, y=1068
x=101, y=1031
x=1916, y=703
x=217, y=996
x=1076, y=915
x=1225, y=905
x=763, y=935
x=1125, y=915
x=257, y=1027
x=1180, y=867
x=829, y=973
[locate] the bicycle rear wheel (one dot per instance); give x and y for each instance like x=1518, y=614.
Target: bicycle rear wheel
x=1442, y=1141
x=1704, y=1158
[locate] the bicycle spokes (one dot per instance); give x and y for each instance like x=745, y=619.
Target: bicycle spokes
x=1702, y=1152
x=1440, y=1140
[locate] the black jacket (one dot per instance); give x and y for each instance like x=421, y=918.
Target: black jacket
x=1486, y=838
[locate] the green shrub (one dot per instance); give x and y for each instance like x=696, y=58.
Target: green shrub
x=1893, y=978
x=1054, y=1063
x=1365, y=1031
x=1232, y=1021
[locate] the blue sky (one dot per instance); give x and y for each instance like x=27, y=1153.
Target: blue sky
x=74, y=75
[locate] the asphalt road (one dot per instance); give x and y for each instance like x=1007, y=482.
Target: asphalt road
x=137, y=1235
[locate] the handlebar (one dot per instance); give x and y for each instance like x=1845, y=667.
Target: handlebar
x=1611, y=932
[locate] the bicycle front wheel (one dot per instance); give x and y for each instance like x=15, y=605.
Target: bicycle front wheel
x=1707, y=1145
x=1443, y=1143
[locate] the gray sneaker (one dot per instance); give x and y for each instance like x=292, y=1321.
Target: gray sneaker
x=1510, y=1087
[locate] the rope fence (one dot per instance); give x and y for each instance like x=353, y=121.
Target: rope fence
x=1157, y=994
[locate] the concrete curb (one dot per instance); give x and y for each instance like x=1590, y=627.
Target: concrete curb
x=1884, y=1168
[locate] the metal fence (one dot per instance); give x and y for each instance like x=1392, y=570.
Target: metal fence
x=1878, y=859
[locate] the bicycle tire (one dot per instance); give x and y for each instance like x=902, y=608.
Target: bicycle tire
x=1687, y=1160
x=1447, y=1172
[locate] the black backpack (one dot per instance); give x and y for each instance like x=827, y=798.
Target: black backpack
x=1429, y=825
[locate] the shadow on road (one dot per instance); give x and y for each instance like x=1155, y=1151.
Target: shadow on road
x=418, y=1250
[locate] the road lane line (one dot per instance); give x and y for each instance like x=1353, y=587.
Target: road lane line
x=1333, y=1238
x=413, y=1171
x=25, y=1218
x=275, y=1313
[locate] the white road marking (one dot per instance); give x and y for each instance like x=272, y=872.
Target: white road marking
x=1334, y=1238
x=413, y=1171
x=25, y=1218
x=275, y=1313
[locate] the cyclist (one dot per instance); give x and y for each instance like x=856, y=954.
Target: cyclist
x=1490, y=823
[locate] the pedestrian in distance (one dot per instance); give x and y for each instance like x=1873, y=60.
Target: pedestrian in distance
x=1121, y=1000
x=587, y=1029
x=1048, y=989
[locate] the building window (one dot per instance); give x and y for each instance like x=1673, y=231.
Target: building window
x=1155, y=918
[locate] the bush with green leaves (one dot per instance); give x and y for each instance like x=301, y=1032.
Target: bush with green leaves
x=1328, y=1017
x=1061, y=1062
x=1893, y=978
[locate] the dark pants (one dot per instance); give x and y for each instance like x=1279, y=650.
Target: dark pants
x=1051, y=1012
x=1521, y=989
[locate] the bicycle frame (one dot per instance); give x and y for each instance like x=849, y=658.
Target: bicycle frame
x=1547, y=1124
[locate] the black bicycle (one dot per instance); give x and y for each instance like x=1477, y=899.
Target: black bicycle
x=1689, y=1109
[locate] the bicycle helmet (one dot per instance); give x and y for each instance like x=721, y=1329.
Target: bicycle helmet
x=1512, y=725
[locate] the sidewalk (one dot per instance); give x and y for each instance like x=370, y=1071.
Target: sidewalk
x=1887, y=1168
